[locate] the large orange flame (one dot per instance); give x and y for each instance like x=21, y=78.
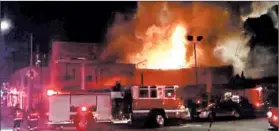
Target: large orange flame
x=165, y=49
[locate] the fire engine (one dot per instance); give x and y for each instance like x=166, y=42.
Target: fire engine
x=154, y=93
x=153, y=104
x=63, y=106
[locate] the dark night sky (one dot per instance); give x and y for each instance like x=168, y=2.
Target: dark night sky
x=72, y=21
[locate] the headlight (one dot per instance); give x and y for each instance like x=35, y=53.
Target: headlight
x=181, y=107
x=187, y=109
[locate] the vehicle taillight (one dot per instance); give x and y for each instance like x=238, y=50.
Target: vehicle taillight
x=275, y=118
x=50, y=92
x=269, y=114
x=83, y=108
x=258, y=105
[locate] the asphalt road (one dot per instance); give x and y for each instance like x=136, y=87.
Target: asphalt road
x=259, y=124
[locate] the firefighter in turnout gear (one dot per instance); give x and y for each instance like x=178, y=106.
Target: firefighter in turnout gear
x=33, y=120
x=18, y=117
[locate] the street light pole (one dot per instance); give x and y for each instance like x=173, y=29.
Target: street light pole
x=198, y=39
x=196, y=64
x=4, y=27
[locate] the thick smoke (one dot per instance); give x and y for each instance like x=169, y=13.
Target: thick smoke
x=225, y=41
x=263, y=57
x=243, y=50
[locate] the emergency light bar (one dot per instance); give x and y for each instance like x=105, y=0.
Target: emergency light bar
x=51, y=92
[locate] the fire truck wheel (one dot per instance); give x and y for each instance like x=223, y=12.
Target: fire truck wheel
x=61, y=128
x=159, y=119
x=236, y=114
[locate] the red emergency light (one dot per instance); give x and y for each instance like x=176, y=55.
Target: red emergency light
x=51, y=92
x=83, y=108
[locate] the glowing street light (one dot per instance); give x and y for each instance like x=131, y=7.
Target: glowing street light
x=5, y=25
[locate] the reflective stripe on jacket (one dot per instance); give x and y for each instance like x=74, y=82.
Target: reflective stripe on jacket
x=18, y=115
x=33, y=116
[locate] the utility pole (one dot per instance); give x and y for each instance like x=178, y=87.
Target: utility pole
x=2, y=48
x=30, y=71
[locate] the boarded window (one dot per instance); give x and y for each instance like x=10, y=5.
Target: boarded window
x=143, y=92
x=169, y=91
x=153, y=92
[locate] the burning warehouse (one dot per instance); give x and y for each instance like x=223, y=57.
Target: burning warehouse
x=99, y=74
x=156, y=51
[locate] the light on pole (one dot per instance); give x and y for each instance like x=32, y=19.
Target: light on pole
x=192, y=39
x=5, y=25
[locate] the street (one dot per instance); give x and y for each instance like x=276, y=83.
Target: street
x=259, y=124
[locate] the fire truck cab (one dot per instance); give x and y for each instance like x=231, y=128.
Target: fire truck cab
x=149, y=103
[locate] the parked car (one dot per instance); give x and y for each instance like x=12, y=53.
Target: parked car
x=227, y=108
x=272, y=116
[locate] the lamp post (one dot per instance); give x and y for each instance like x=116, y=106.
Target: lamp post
x=192, y=39
x=4, y=27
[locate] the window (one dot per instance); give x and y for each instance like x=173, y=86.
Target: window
x=169, y=91
x=153, y=92
x=143, y=92
x=70, y=77
x=89, y=78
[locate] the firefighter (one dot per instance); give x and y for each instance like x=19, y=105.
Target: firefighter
x=18, y=117
x=117, y=86
x=193, y=108
x=33, y=119
x=116, y=102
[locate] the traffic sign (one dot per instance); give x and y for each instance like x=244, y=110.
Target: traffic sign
x=32, y=74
